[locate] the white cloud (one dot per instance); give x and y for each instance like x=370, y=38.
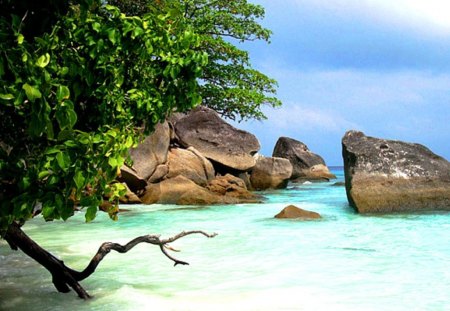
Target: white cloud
x=295, y=116
x=423, y=15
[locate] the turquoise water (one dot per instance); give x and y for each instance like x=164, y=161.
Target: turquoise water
x=344, y=262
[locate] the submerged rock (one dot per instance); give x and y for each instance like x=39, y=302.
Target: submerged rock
x=217, y=140
x=294, y=212
x=392, y=176
x=270, y=173
x=306, y=165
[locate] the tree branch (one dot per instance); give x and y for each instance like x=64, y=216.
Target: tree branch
x=106, y=247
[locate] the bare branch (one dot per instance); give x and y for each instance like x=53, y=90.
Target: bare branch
x=106, y=247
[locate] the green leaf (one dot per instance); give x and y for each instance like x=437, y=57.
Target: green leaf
x=20, y=38
x=62, y=93
x=43, y=174
x=65, y=134
x=91, y=213
x=96, y=26
x=79, y=179
x=6, y=96
x=63, y=160
x=31, y=92
x=48, y=212
x=112, y=162
x=67, y=210
x=43, y=60
x=112, y=35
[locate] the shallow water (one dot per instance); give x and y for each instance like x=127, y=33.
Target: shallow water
x=344, y=262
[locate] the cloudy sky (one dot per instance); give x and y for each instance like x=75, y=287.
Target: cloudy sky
x=379, y=66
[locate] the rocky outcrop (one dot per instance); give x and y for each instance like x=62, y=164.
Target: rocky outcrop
x=178, y=190
x=130, y=197
x=190, y=164
x=306, y=165
x=294, y=212
x=217, y=140
x=232, y=187
x=151, y=153
x=182, y=191
x=270, y=173
x=393, y=176
x=131, y=178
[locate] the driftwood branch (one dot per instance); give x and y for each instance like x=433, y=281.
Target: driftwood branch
x=107, y=247
x=64, y=277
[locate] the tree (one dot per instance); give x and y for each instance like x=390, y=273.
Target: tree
x=228, y=83
x=73, y=94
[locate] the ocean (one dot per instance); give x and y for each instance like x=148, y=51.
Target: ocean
x=345, y=261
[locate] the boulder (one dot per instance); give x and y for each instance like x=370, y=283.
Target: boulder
x=151, y=152
x=132, y=179
x=393, y=176
x=130, y=197
x=179, y=190
x=182, y=191
x=233, y=187
x=217, y=140
x=306, y=165
x=191, y=164
x=294, y=212
x=270, y=173
x=160, y=172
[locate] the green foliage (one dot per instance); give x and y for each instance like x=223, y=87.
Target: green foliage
x=229, y=84
x=72, y=98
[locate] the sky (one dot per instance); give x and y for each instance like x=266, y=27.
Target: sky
x=378, y=66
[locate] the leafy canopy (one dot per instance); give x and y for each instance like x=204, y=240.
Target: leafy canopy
x=229, y=84
x=72, y=97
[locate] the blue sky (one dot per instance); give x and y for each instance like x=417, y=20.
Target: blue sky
x=379, y=66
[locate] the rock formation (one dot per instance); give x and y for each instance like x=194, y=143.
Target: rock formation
x=393, y=176
x=180, y=190
x=234, y=187
x=191, y=164
x=270, y=173
x=217, y=140
x=151, y=153
x=294, y=212
x=306, y=165
x=131, y=178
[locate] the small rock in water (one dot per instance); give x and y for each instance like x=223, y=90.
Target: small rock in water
x=294, y=212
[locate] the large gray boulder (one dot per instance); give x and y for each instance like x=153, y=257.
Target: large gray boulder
x=191, y=164
x=217, y=140
x=270, y=173
x=393, y=176
x=306, y=165
x=151, y=153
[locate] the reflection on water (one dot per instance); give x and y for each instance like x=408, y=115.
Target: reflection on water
x=343, y=262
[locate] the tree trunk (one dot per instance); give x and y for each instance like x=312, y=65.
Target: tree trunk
x=64, y=277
